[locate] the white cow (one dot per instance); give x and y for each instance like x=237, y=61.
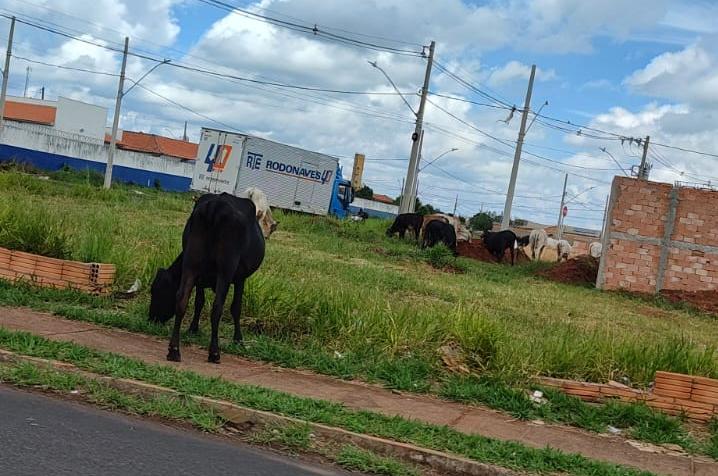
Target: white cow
x=264, y=213
x=594, y=249
x=537, y=242
x=563, y=250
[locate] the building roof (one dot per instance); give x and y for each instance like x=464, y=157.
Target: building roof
x=156, y=145
x=25, y=112
x=22, y=111
x=383, y=198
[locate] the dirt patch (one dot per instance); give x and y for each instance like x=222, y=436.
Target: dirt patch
x=704, y=300
x=476, y=250
x=580, y=270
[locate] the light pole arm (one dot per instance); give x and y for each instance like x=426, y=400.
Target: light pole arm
x=135, y=83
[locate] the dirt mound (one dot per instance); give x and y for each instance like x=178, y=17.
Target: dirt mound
x=580, y=270
x=478, y=251
x=704, y=300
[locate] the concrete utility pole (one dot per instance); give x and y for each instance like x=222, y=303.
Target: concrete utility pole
x=42, y=93
x=643, y=168
x=506, y=219
x=6, y=75
x=605, y=216
x=560, y=209
x=407, y=202
x=415, y=191
x=27, y=81
x=116, y=120
x=456, y=204
x=184, y=134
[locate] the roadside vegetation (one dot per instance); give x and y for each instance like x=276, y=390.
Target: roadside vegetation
x=501, y=453
x=342, y=299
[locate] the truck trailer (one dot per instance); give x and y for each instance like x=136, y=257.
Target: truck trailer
x=293, y=178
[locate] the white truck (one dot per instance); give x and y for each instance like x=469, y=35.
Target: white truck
x=292, y=178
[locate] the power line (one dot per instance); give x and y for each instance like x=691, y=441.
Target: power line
x=469, y=86
x=311, y=30
x=205, y=71
x=476, y=103
x=70, y=68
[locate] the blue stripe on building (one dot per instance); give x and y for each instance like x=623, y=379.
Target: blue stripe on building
x=53, y=162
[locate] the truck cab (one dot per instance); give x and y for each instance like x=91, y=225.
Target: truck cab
x=342, y=196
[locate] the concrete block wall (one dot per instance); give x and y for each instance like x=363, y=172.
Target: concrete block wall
x=659, y=237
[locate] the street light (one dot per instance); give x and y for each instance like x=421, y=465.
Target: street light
x=416, y=185
x=605, y=151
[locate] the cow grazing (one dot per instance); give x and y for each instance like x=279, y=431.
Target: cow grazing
x=537, y=243
x=222, y=244
x=563, y=250
x=404, y=222
x=439, y=232
x=522, y=241
x=497, y=242
x=264, y=212
x=595, y=249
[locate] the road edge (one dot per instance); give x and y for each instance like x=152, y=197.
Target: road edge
x=444, y=463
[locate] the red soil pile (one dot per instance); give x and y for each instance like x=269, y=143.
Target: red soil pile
x=704, y=300
x=579, y=270
x=478, y=251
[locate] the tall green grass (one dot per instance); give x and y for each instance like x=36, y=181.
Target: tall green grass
x=342, y=298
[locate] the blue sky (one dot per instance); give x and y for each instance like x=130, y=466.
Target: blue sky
x=633, y=69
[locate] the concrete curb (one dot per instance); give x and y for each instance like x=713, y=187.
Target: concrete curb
x=240, y=416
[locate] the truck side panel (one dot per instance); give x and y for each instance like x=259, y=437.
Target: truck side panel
x=292, y=178
x=218, y=159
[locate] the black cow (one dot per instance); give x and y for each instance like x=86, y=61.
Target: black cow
x=405, y=221
x=439, y=232
x=499, y=241
x=222, y=244
x=523, y=241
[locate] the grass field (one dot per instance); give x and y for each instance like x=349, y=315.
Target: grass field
x=342, y=299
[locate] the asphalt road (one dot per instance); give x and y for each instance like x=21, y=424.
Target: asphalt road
x=43, y=436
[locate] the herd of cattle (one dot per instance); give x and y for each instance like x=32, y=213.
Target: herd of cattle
x=223, y=244
x=430, y=230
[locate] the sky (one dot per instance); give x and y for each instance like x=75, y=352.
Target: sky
x=607, y=72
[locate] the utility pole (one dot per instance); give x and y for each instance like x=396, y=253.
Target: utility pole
x=560, y=210
x=6, y=75
x=506, y=219
x=415, y=192
x=643, y=169
x=456, y=203
x=605, y=216
x=42, y=93
x=116, y=120
x=184, y=135
x=27, y=81
x=407, y=204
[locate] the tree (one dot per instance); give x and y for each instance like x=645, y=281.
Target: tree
x=420, y=208
x=365, y=192
x=482, y=221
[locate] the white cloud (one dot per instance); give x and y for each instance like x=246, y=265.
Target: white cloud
x=514, y=70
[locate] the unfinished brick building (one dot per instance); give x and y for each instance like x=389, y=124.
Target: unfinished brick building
x=659, y=236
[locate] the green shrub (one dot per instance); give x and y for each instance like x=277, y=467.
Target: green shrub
x=26, y=227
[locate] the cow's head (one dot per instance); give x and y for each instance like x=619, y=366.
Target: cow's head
x=163, y=296
x=267, y=222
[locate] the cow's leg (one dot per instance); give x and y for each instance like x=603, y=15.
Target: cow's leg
x=402, y=233
x=220, y=295
x=533, y=253
x=541, y=252
x=513, y=254
x=183, y=293
x=198, y=306
x=236, y=310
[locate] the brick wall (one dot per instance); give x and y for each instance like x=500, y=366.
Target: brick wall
x=659, y=237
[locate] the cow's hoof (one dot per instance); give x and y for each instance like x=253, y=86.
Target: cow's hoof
x=213, y=358
x=173, y=355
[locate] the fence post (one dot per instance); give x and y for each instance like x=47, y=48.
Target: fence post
x=666, y=241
